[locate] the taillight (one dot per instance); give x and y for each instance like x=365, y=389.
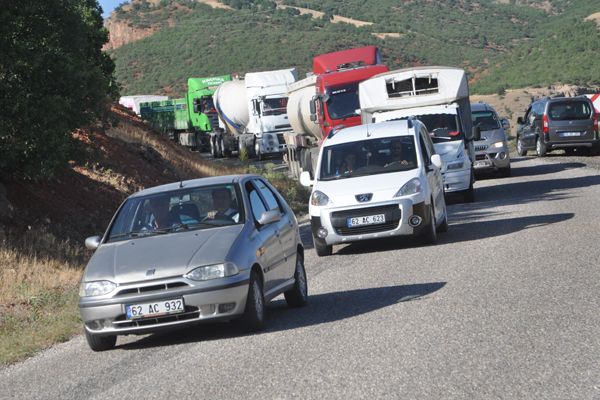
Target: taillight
x=596, y=123
x=453, y=133
x=545, y=124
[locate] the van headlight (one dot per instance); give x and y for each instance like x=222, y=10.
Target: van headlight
x=96, y=288
x=208, y=272
x=411, y=187
x=318, y=198
x=455, y=165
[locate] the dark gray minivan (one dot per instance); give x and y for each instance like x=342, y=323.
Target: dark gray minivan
x=567, y=123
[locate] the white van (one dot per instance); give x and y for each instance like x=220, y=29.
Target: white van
x=375, y=181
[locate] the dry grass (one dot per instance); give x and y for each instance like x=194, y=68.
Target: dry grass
x=39, y=276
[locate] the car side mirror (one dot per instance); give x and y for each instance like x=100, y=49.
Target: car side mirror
x=268, y=217
x=305, y=179
x=520, y=121
x=436, y=160
x=92, y=242
x=505, y=124
x=476, y=133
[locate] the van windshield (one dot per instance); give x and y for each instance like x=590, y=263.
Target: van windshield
x=569, y=110
x=486, y=120
x=368, y=157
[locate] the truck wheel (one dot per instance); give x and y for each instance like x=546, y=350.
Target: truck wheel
x=226, y=149
x=220, y=146
x=540, y=147
x=307, y=161
x=213, y=147
x=257, y=153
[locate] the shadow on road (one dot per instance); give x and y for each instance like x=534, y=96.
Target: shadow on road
x=321, y=309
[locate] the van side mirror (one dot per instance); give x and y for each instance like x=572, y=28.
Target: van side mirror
x=520, y=121
x=268, y=217
x=93, y=242
x=476, y=133
x=305, y=179
x=436, y=160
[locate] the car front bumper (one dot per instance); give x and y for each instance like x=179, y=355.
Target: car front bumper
x=225, y=299
x=400, y=211
x=492, y=160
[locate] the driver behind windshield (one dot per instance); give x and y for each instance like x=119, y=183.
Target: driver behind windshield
x=397, y=156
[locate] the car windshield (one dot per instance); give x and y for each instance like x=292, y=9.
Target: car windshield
x=368, y=157
x=441, y=127
x=274, y=106
x=343, y=102
x=486, y=120
x=569, y=110
x=184, y=209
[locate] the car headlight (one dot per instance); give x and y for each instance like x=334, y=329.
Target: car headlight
x=318, y=198
x=497, y=145
x=209, y=272
x=96, y=288
x=455, y=165
x=411, y=187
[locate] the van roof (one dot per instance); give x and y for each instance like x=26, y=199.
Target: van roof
x=372, y=131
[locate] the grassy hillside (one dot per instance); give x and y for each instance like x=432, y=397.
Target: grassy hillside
x=489, y=38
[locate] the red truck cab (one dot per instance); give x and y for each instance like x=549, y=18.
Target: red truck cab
x=338, y=75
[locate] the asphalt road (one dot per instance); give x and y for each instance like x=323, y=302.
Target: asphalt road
x=505, y=306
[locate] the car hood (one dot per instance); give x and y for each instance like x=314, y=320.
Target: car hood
x=492, y=136
x=342, y=192
x=168, y=255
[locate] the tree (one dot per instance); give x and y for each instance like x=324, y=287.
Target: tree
x=54, y=78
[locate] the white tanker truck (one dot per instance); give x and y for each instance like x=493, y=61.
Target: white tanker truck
x=252, y=114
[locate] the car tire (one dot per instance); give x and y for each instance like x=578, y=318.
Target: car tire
x=322, y=248
x=540, y=147
x=429, y=236
x=100, y=343
x=298, y=295
x=443, y=227
x=520, y=150
x=254, y=313
x=505, y=172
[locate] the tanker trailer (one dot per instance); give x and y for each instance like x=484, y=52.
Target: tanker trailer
x=230, y=102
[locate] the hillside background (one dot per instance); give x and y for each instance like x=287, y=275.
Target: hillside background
x=158, y=44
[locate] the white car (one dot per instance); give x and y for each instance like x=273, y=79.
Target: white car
x=375, y=181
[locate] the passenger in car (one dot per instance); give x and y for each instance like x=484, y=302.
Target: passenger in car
x=397, y=156
x=223, y=206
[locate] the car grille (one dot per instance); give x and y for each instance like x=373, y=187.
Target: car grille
x=122, y=322
x=480, y=157
x=481, y=147
x=392, y=217
x=162, y=287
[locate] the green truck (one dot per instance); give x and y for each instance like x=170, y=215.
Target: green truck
x=189, y=120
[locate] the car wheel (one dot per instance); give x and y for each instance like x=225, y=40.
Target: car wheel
x=100, y=343
x=520, y=150
x=505, y=172
x=321, y=247
x=298, y=295
x=540, y=147
x=443, y=227
x=430, y=234
x=254, y=314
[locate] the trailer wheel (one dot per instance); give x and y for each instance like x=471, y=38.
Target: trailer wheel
x=221, y=146
x=213, y=146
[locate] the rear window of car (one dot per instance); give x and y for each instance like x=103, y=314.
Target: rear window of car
x=569, y=110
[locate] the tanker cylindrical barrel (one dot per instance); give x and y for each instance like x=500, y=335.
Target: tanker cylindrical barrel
x=231, y=104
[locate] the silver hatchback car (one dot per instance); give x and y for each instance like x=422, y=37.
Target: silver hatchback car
x=200, y=250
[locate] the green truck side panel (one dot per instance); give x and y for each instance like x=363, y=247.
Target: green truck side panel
x=178, y=114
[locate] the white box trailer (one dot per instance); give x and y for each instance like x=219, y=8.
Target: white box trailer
x=439, y=97
x=133, y=102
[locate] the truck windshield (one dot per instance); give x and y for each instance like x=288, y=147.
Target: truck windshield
x=173, y=211
x=343, y=102
x=442, y=127
x=486, y=120
x=207, y=106
x=274, y=106
x=368, y=157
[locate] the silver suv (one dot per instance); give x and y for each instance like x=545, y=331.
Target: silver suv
x=491, y=152
x=568, y=123
x=200, y=250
